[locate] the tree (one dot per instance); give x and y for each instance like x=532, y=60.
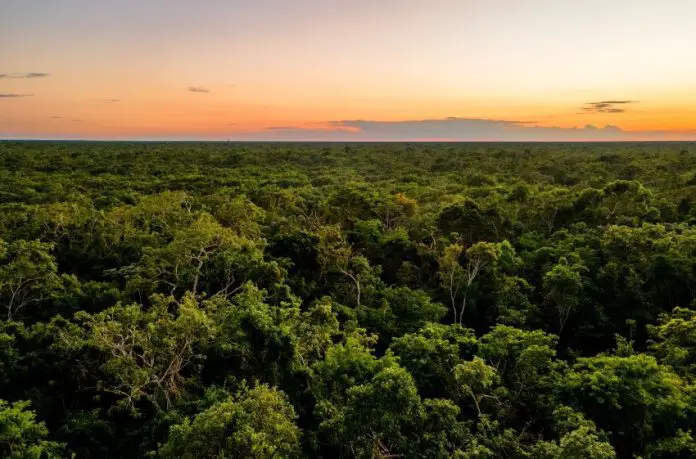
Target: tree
x=203, y=257
x=431, y=354
x=336, y=256
x=470, y=221
x=513, y=302
x=346, y=364
x=563, y=285
x=238, y=213
x=550, y=205
x=21, y=437
x=459, y=280
x=145, y=354
x=620, y=201
x=254, y=423
x=442, y=433
x=675, y=340
x=28, y=275
x=633, y=398
x=315, y=331
x=379, y=414
x=452, y=275
x=399, y=310
x=359, y=271
x=476, y=381
x=681, y=445
x=579, y=439
x=261, y=340
x=526, y=363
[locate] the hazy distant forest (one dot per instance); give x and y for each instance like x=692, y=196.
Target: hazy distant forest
x=221, y=300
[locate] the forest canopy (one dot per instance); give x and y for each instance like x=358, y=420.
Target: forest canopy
x=222, y=300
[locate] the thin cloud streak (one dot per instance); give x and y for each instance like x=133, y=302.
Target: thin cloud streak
x=607, y=106
x=613, y=102
x=35, y=75
x=11, y=95
x=24, y=75
x=198, y=89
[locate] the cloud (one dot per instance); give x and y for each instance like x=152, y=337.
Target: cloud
x=11, y=95
x=452, y=129
x=105, y=99
x=197, y=89
x=607, y=106
x=72, y=120
x=24, y=75
x=281, y=128
x=614, y=102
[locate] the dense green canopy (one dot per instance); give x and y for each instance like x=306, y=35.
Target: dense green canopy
x=347, y=300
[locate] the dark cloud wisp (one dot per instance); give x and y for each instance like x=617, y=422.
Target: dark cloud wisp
x=11, y=95
x=35, y=75
x=197, y=89
x=24, y=75
x=615, y=102
x=607, y=106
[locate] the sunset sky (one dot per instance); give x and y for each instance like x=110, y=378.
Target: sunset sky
x=348, y=70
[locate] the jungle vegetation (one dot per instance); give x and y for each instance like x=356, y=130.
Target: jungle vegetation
x=432, y=300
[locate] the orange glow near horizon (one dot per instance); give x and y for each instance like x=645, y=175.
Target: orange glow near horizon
x=240, y=70
x=139, y=118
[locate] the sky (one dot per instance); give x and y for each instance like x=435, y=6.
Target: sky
x=482, y=70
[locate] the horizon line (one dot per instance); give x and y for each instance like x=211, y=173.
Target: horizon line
x=336, y=141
